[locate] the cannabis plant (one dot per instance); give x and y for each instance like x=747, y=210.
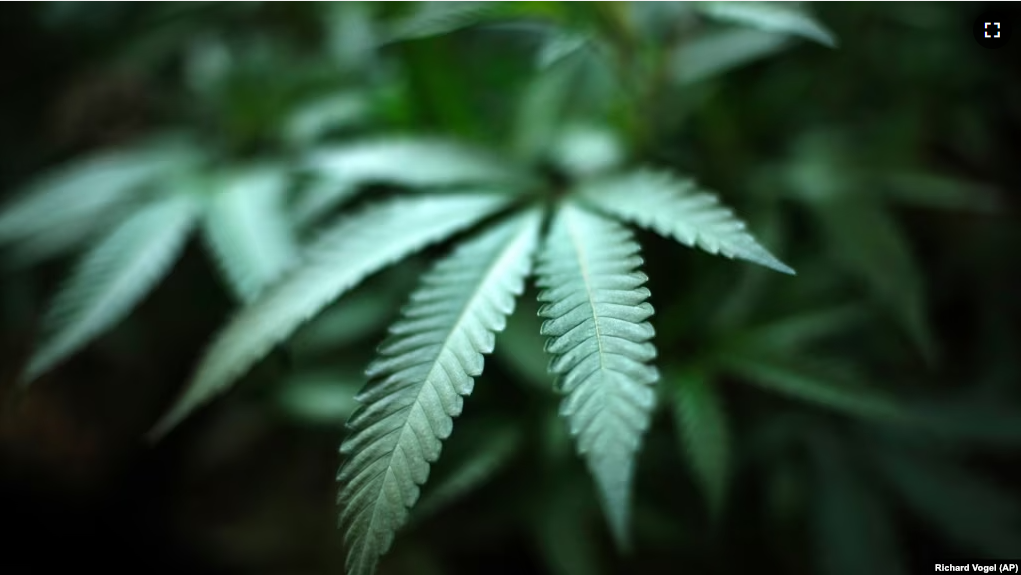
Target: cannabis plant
x=303, y=191
x=599, y=338
x=137, y=207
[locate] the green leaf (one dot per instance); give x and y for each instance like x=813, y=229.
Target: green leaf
x=964, y=421
x=111, y=278
x=311, y=121
x=599, y=340
x=494, y=450
x=867, y=240
x=936, y=191
x=676, y=208
x=585, y=150
x=521, y=343
x=422, y=163
x=559, y=45
x=354, y=248
x=417, y=383
x=247, y=229
x=323, y=397
x=814, y=383
x=544, y=106
x=719, y=51
x=70, y=204
x=853, y=528
x=782, y=17
x=705, y=434
x=435, y=18
x=968, y=509
x=793, y=333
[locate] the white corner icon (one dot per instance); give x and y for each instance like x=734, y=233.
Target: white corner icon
x=987, y=25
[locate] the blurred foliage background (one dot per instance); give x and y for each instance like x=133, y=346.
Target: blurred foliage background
x=861, y=417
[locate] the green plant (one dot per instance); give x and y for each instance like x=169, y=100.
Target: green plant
x=301, y=202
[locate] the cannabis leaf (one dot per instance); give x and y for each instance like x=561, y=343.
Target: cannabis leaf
x=424, y=163
x=720, y=51
x=600, y=342
x=354, y=248
x=704, y=432
x=246, y=227
x=418, y=380
x=867, y=240
x=816, y=383
x=72, y=203
x=676, y=208
x=435, y=18
x=784, y=17
x=112, y=277
x=321, y=396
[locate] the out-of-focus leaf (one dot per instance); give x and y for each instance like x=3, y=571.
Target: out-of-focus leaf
x=324, y=397
x=703, y=431
x=365, y=311
x=248, y=231
x=352, y=35
x=854, y=531
x=207, y=65
x=718, y=51
x=964, y=506
x=558, y=46
x=494, y=447
x=791, y=334
x=431, y=18
x=870, y=243
x=543, y=108
x=70, y=204
x=354, y=248
x=586, y=150
x=971, y=423
x=403, y=161
x=521, y=343
x=810, y=381
x=311, y=121
x=935, y=191
x=64, y=239
x=112, y=277
x=349, y=320
x=782, y=17
x=860, y=230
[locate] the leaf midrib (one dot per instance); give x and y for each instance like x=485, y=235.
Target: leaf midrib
x=499, y=263
x=583, y=269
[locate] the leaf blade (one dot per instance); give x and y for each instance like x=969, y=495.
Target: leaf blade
x=419, y=379
x=356, y=247
x=112, y=277
x=424, y=163
x=703, y=430
x=677, y=209
x=71, y=203
x=599, y=341
x=815, y=385
x=247, y=231
x=783, y=17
